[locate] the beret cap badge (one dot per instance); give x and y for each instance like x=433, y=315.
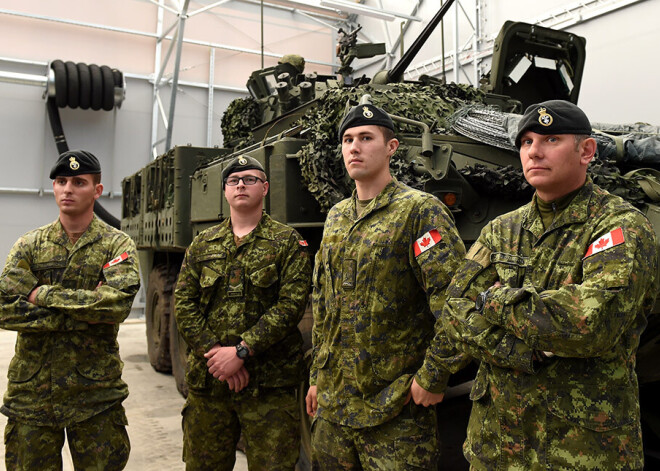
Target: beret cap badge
x=544, y=118
x=242, y=160
x=367, y=113
x=73, y=165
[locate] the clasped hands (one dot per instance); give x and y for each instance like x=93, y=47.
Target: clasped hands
x=224, y=365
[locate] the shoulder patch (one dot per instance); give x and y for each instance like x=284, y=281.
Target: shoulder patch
x=115, y=261
x=427, y=241
x=606, y=241
x=303, y=243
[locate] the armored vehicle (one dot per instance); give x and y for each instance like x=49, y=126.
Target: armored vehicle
x=289, y=124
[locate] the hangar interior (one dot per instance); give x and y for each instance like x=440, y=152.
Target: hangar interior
x=184, y=61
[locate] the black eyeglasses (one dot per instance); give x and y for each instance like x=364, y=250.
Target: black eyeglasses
x=247, y=180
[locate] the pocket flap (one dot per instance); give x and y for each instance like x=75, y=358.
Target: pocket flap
x=208, y=277
x=591, y=411
x=264, y=277
x=21, y=371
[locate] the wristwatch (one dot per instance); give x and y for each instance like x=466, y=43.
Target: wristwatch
x=242, y=351
x=480, y=302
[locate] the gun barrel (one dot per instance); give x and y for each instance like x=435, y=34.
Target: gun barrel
x=396, y=73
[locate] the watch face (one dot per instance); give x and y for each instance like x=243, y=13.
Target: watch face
x=242, y=351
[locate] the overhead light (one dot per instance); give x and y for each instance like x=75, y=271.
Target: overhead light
x=361, y=9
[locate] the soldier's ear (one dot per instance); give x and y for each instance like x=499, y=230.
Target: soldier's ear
x=98, y=190
x=392, y=146
x=587, y=150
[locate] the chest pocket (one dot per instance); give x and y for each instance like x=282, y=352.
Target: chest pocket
x=264, y=283
x=50, y=272
x=510, y=268
x=209, y=280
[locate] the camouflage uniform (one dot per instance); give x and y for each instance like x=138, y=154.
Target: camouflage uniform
x=556, y=388
x=375, y=303
x=255, y=292
x=67, y=372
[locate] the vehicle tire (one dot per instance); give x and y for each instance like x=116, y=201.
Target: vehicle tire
x=179, y=356
x=160, y=304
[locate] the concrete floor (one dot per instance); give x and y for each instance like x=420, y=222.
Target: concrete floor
x=153, y=406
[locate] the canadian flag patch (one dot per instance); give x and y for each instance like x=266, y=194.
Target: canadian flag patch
x=303, y=243
x=427, y=241
x=115, y=261
x=606, y=241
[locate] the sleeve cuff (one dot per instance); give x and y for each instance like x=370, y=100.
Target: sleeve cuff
x=42, y=295
x=432, y=379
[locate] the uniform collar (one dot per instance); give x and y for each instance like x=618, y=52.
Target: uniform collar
x=382, y=199
x=263, y=230
x=577, y=211
x=57, y=234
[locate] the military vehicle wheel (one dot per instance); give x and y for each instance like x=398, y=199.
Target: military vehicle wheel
x=179, y=356
x=159, y=306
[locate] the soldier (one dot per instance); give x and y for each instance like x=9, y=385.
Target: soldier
x=387, y=255
x=65, y=289
x=241, y=292
x=552, y=299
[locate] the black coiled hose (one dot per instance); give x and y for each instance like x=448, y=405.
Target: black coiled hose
x=84, y=86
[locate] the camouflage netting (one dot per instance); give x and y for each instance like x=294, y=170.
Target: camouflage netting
x=323, y=169
x=321, y=161
x=241, y=116
x=640, y=148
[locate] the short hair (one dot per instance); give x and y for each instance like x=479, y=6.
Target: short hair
x=579, y=138
x=96, y=178
x=388, y=134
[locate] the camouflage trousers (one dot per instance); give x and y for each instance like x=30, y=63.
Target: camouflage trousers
x=269, y=420
x=407, y=442
x=98, y=443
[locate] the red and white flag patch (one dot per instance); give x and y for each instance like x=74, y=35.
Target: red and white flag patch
x=427, y=241
x=115, y=261
x=606, y=241
x=303, y=243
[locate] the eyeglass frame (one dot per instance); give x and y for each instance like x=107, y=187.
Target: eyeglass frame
x=239, y=179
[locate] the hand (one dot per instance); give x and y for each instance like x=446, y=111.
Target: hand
x=223, y=362
x=239, y=381
x=311, y=402
x=32, y=297
x=423, y=397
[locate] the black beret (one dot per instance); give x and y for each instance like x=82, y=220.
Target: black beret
x=75, y=162
x=240, y=163
x=553, y=117
x=364, y=115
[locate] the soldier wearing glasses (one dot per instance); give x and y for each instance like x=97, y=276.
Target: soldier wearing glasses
x=241, y=292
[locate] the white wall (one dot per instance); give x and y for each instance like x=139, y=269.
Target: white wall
x=622, y=66
x=121, y=138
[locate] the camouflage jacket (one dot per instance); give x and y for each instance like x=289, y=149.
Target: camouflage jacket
x=256, y=292
x=375, y=303
x=67, y=366
x=556, y=388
